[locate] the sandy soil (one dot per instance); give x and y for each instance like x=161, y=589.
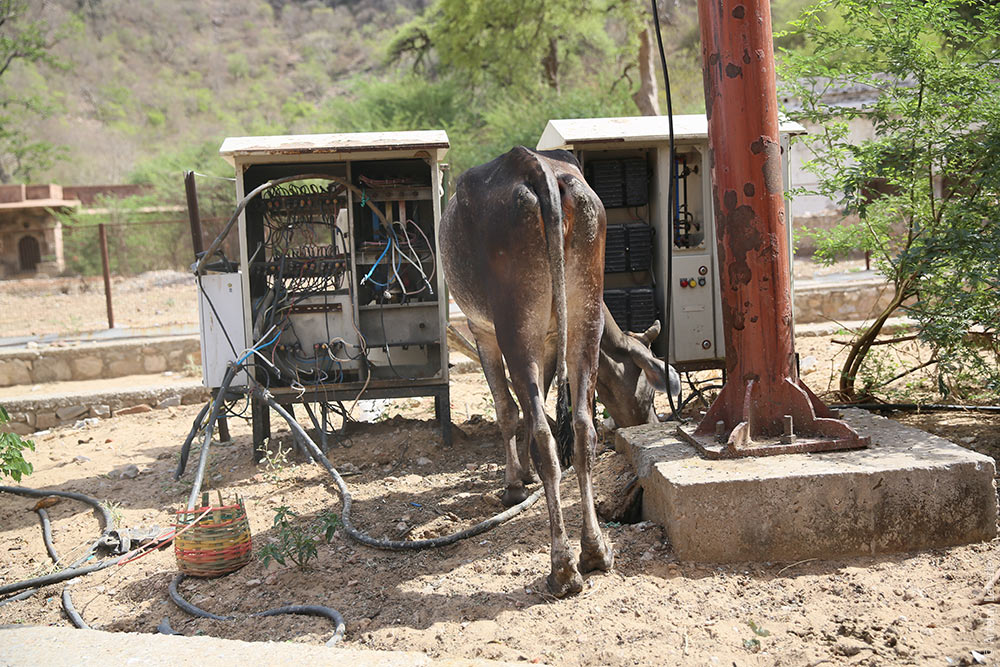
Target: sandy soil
x=75, y=305
x=483, y=597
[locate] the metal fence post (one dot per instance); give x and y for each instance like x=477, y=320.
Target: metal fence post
x=105, y=265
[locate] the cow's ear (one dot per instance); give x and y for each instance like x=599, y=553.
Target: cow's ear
x=653, y=368
x=662, y=377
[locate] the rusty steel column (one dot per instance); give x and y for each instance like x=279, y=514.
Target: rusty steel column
x=764, y=408
x=102, y=236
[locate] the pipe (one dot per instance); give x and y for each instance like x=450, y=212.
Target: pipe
x=186, y=447
x=306, y=610
x=203, y=459
x=187, y=606
x=71, y=612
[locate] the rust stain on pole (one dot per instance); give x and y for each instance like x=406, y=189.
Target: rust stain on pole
x=763, y=399
x=106, y=268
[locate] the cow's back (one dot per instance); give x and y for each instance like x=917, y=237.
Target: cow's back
x=493, y=235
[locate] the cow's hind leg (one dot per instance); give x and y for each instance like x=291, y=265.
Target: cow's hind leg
x=492, y=362
x=594, y=551
x=564, y=579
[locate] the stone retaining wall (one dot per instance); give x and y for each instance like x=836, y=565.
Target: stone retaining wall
x=38, y=414
x=90, y=361
x=840, y=302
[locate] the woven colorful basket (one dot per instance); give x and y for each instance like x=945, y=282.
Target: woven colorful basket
x=217, y=544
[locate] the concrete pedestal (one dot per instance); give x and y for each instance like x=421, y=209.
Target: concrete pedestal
x=909, y=491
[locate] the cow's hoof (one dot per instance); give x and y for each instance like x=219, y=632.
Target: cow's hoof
x=514, y=495
x=598, y=557
x=566, y=581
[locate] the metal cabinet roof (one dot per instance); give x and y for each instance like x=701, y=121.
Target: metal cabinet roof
x=570, y=132
x=264, y=149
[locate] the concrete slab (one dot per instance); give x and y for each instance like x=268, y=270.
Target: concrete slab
x=28, y=646
x=909, y=491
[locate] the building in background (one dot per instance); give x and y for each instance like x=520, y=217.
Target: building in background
x=31, y=232
x=31, y=242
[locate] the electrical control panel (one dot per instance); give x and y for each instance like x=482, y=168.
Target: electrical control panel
x=627, y=163
x=342, y=294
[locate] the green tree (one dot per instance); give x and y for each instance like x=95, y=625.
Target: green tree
x=926, y=184
x=25, y=41
x=519, y=45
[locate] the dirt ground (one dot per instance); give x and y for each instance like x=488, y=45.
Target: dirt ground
x=484, y=597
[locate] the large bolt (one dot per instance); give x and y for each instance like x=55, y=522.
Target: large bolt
x=720, y=431
x=788, y=436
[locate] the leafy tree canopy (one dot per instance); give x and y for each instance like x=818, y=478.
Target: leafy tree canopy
x=519, y=44
x=925, y=185
x=26, y=39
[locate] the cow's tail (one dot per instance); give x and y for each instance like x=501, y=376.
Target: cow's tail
x=550, y=202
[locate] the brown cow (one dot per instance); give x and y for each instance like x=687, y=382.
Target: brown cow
x=522, y=246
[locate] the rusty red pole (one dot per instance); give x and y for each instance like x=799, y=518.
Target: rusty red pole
x=764, y=408
x=102, y=235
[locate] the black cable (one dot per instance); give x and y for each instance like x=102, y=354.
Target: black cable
x=308, y=610
x=209, y=429
x=668, y=292
x=187, y=606
x=196, y=426
x=56, y=577
x=31, y=586
x=71, y=612
x=43, y=518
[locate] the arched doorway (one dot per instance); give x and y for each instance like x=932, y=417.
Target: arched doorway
x=28, y=253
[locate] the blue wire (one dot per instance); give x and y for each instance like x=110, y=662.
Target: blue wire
x=257, y=348
x=368, y=276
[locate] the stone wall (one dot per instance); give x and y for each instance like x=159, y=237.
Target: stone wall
x=817, y=301
x=98, y=360
x=29, y=415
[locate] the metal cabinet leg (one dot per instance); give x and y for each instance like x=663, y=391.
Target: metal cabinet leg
x=442, y=411
x=224, y=430
x=260, y=415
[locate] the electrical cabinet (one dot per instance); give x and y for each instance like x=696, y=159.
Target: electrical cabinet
x=342, y=297
x=627, y=163
x=220, y=317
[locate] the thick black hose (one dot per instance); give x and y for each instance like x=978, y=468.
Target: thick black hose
x=209, y=429
x=71, y=612
x=74, y=569
x=187, y=606
x=313, y=610
x=186, y=447
x=345, y=496
x=308, y=610
x=107, y=522
x=43, y=518
x=164, y=628
x=56, y=577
